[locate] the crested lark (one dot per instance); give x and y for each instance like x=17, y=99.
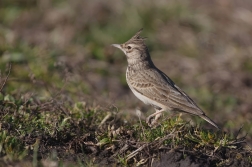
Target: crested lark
x=152, y=86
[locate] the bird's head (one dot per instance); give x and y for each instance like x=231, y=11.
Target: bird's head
x=135, y=47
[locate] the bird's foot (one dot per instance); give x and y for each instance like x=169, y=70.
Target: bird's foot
x=152, y=122
x=148, y=120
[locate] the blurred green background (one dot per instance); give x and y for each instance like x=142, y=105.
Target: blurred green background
x=61, y=49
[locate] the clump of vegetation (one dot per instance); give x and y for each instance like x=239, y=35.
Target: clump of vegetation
x=34, y=128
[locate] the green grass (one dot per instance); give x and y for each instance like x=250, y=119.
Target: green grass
x=30, y=129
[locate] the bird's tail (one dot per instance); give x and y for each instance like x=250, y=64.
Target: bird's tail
x=209, y=121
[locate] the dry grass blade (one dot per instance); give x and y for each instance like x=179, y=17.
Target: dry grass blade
x=105, y=119
x=6, y=78
x=134, y=153
x=122, y=150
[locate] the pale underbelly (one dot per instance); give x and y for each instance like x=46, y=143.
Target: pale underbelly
x=146, y=100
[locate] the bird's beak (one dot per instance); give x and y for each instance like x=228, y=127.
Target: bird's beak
x=117, y=46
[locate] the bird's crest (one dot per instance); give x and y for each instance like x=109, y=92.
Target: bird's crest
x=137, y=38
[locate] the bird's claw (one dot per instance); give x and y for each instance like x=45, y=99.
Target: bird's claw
x=152, y=122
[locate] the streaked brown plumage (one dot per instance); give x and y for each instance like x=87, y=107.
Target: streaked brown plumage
x=152, y=86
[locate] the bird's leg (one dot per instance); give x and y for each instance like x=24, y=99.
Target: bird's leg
x=157, y=115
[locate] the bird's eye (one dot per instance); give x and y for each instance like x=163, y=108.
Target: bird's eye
x=129, y=47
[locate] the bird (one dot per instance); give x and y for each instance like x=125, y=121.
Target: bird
x=152, y=86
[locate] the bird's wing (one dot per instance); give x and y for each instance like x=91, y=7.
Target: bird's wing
x=160, y=88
